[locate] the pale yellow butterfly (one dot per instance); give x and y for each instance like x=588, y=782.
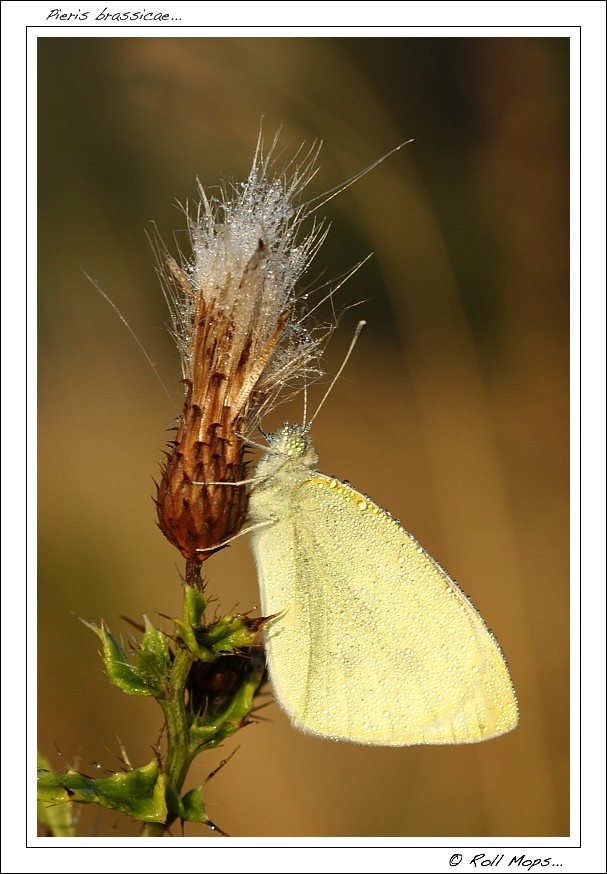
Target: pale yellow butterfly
x=371, y=641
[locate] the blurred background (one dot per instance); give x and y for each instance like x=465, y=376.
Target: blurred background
x=452, y=412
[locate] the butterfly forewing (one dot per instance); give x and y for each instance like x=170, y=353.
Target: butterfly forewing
x=373, y=642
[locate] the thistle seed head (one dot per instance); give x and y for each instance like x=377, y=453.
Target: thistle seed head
x=244, y=346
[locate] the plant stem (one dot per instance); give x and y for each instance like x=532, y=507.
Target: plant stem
x=179, y=755
x=154, y=829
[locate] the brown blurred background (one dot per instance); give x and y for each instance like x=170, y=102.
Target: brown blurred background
x=452, y=413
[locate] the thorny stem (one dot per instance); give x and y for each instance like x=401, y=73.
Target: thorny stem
x=192, y=573
x=154, y=829
x=179, y=755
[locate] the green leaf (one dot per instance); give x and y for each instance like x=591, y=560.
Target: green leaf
x=189, y=634
x=152, y=664
x=193, y=606
x=139, y=793
x=190, y=808
x=225, y=635
x=193, y=806
x=231, y=632
x=188, y=629
x=58, y=819
x=153, y=661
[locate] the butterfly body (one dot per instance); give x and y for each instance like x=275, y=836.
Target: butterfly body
x=372, y=642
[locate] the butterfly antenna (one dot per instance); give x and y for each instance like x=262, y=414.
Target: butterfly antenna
x=305, y=404
x=357, y=333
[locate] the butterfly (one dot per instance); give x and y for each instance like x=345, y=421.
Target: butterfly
x=370, y=641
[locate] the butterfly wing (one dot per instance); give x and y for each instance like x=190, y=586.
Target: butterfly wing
x=373, y=643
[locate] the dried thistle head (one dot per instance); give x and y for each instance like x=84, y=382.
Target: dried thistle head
x=241, y=338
